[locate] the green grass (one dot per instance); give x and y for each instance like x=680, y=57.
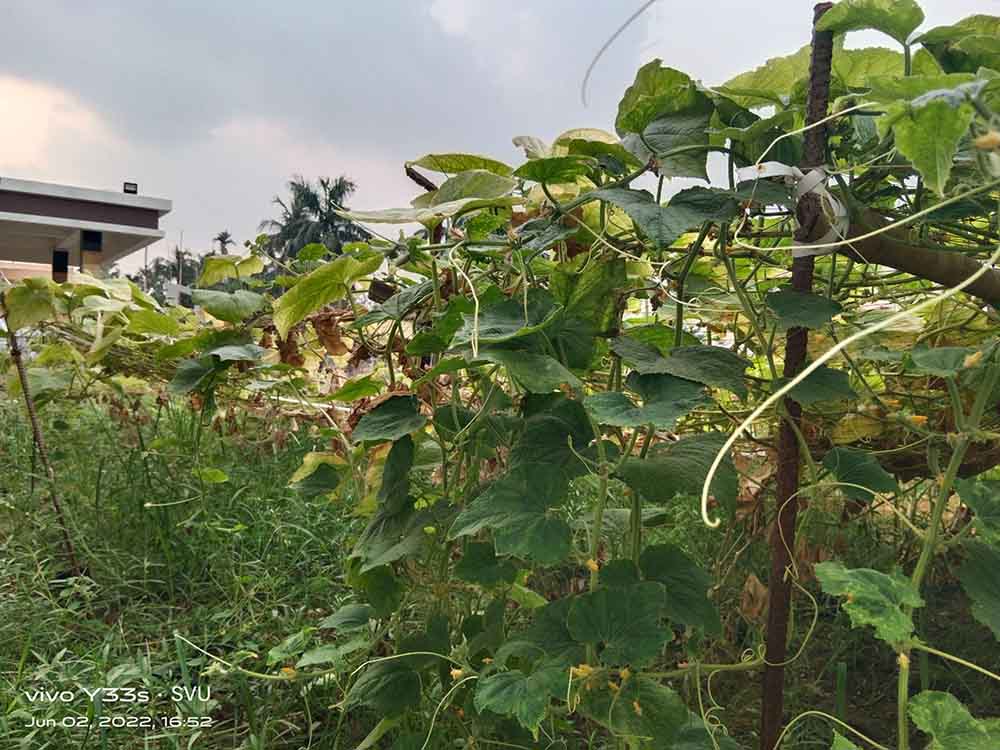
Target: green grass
x=234, y=567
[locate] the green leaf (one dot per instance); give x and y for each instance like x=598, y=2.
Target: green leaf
x=525, y=697
x=927, y=132
x=388, y=687
x=454, y=163
x=358, y=388
x=216, y=268
x=686, y=210
x=329, y=282
x=390, y=420
x=29, y=303
x=890, y=88
x=323, y=479
x=687, y=129
x=795, y=308
x=966, y=46
x=625, y=621
x=657, y=91
x=556, y=169
x=618, y=573
x=665, y=399
x=980, y=581
x=840, y=742
x=540, y=537
x=193, y=374
x=429, y=216
x=537, y=373
x=897, y=18
x=147, y=320
x=680, y=468
x=473, y=183
x=479, y=564
x=948, y=722
x=332, y=653
x=210, y=475
x=858, y=467
x=711, y=365
x=589, y=289
x=642, y=710
x=983, y=496
x=941, y=361
x=237, y=352
x=686, y=584
x=822, y=384
x=293, y=645
x=508, y=319
x=232, y=307
x=393, y=493
x=873, y=598
x=380, y=587
x=765, y=85
x=349, y=617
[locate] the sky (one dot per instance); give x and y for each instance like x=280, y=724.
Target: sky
x=214, y=104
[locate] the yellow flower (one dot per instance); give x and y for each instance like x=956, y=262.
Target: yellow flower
x=637, y=708
x=582, y=671
x=456, y=674
x=973, y=359
x=625, y=674
x=592, y=565
x=613, y=686
x=918, y=419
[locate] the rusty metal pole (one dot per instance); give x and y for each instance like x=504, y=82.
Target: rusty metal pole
x=808, y=212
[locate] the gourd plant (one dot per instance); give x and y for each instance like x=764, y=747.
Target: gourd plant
x=559, y=357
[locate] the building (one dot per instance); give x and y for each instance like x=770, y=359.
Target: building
x=53, y=230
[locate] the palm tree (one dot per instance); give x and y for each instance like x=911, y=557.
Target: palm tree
x=225, y=239
x=310, y=215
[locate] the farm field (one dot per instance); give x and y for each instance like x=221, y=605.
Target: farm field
x=682, y=434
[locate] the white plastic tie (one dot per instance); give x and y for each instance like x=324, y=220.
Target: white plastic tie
x=803, y=183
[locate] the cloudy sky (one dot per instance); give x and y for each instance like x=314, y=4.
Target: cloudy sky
x=215, y=103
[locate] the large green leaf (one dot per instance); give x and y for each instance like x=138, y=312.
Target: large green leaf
x=765, y=85
x=147, y=320
x=525, y=697
x=711, y=365
x=897, y=18
x=680, y=468
x=665, y=399
x=927, y=131
x=540, y=537
x=556, y=169
x=329, y=282
x=472, y=183
x=217, y=268
x=624, y=621
x=686, y=584
x=232, y=307
x=657, y=91
x=940, y=361
x=966, y=46
x=388, y=687
x=508, y=319
x=649, y=715
x=194, y=374
x=454, y=163
x=390, y=420
x=349, y=617
x=840, y=742
x=858, y=467
x=686, y=210
x=479, y=564
x=948, y=722
x=29, y=303
x=588, y=288
x=982, y=584
x=795, y=308
x=823, y=384
x=890, y=88
x=983, y=496
x=537, y=373
x=873, y=598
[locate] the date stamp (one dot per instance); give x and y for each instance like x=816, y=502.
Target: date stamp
x=121, y=708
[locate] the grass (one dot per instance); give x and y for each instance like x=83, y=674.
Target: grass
x=241, y=566
x=234, y=567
